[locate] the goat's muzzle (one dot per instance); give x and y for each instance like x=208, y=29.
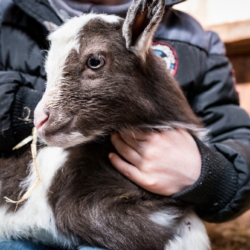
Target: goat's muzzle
x=41, y=116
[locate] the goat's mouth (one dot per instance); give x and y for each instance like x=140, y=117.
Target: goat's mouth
x=52, y=132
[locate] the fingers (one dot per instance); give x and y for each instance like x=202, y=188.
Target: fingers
x=128, y=170
x=137, y=135
x=131, y=139
x=125, y=150
x=136, y=139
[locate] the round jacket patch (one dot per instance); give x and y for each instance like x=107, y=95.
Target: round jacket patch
x=168, y=54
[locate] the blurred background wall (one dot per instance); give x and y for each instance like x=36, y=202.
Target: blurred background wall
x=231, y=20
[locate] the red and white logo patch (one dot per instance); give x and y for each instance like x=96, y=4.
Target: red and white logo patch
x=168, y=54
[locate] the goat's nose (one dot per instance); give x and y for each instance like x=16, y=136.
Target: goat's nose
x=40, y=116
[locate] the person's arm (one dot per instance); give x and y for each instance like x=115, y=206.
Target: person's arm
x=173, y=163
x=221, y=191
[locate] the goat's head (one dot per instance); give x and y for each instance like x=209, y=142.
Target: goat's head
x=103, y=76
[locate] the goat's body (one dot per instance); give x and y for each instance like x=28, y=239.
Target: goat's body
x=98, y=85
x=83, y=198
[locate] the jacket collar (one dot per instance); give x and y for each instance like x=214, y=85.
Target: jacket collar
x=42, y=11
x=173, y=2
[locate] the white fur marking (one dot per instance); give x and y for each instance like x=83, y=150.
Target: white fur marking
x=191, y=235
x=176, y=244
x=72, y=139
x=35, y=218
x=201, y=133
x=164, y=218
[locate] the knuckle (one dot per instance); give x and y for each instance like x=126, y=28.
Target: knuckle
x=126, y=152
x=150, y=154
x=127, y=174
x=150, y=182
x=114, y=140
x=155, y=136
x=171, y=191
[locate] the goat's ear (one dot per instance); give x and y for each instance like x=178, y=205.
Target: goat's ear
x=140, y=24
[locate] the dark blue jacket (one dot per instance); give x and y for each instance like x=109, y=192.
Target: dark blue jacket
x=196, y=58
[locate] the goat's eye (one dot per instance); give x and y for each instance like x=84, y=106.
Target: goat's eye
x=95, y=62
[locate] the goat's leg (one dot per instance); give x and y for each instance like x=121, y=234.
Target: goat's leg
x=119, y=225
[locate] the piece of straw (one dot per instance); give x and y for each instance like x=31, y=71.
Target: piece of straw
x=23, y=142
x=34, y=154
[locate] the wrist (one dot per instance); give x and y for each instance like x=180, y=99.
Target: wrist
x=191, y=166
x=215, y=187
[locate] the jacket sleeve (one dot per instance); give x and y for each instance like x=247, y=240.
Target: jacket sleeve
x=18, y=101
x=223, y=190
x=22, y=76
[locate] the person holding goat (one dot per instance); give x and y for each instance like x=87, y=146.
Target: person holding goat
x=214, y=180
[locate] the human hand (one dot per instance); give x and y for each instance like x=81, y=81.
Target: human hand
x=163, y=162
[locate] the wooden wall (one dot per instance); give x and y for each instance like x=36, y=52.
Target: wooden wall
x=239, y=55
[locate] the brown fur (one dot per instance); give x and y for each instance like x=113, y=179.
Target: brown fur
x=13, y=170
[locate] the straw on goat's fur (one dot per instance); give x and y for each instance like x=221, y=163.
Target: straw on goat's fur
x=34, y=154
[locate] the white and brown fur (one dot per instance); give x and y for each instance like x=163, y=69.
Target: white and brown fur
x=82, y=198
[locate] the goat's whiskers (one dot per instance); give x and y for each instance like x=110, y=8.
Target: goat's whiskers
x=33, y=147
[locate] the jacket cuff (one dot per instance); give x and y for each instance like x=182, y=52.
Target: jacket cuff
x=24, y=105
x=216, y=186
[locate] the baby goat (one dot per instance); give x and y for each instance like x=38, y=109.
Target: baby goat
x=102, y=77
